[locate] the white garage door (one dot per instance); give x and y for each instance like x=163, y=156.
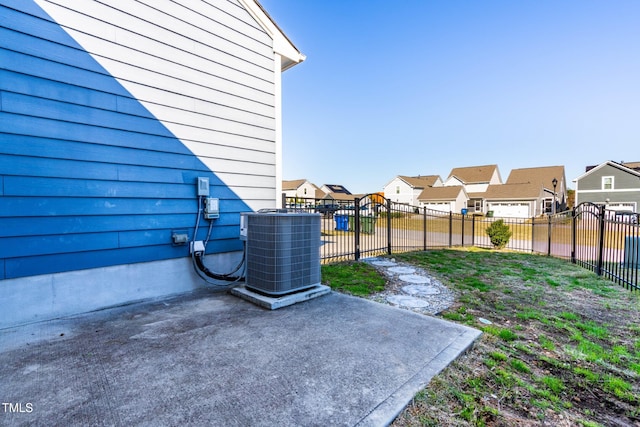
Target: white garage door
x=510, y=210
x=622, y=207
x=442, y=206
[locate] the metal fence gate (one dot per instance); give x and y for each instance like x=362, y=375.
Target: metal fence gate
x=607, y=242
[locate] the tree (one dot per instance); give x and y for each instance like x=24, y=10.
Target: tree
x=499, y=234
x=571, y=198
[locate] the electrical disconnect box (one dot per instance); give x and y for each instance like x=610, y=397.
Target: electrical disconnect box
x=211, y=208
x=243, y=225
x=203, y=186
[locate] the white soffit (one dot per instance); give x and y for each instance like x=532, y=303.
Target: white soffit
x=281, y=44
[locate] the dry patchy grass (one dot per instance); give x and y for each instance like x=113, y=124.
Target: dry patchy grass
x=563, y=346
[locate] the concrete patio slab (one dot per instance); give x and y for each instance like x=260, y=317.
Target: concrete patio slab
x=213, y=359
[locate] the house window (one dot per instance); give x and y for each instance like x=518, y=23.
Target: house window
x=607, y=183
x=548, y=205
x=305, y=191
x=397, y=189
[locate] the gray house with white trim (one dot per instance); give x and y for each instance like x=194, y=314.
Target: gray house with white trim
x=617, y=185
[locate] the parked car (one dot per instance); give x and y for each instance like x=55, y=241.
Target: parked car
x=353, y=208
x=327, y=209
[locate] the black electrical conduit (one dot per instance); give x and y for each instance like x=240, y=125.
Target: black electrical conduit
x=198, y=261
x=229, y=277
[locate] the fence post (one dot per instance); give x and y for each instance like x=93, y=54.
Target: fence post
x=356, y=227
x=424, y=228
x=473, y=230
x=533, y=234
x=463, y=230
x=574, y=229
x=450, y=228
x=601, y=240
x=389, y=227
x=549, y=237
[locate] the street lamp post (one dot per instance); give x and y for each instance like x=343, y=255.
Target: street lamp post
x=555, y=183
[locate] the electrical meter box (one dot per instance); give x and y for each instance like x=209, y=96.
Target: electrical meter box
x=211, y=208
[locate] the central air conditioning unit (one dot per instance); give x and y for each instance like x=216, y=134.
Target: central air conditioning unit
x=631, y=252
x=283, y=251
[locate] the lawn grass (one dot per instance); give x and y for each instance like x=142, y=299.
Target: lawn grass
x=563, y=347
x=354, y=278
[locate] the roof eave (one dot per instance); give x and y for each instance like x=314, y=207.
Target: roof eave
x=289, y=54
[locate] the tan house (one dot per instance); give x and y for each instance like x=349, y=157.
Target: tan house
x=299, y=188
x=406, y=189
x=446, y=199
x=528, y=192
x=340, y=199
x=334, y=188
x=514, y=200
x=551, y=178
x=474, y=179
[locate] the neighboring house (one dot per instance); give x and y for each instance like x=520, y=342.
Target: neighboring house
x=406, y=189
x=475, y=180
x=299, y=188
x=523, y=200
x=544, y=176
x=446, y=199
x=109, y=114
x=615, y=184
x=528, y=192
x=340, y=199
x=334, y=188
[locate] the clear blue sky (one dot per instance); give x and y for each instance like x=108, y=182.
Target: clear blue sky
x=417, y=87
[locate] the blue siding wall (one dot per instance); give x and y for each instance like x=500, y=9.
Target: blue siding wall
x=88, y=177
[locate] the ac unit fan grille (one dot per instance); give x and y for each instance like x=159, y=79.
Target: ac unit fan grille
x=283, y=252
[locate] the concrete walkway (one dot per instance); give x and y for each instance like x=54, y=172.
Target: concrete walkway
x=214, y=359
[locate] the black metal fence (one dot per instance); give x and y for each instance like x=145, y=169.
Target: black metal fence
x=606, y=242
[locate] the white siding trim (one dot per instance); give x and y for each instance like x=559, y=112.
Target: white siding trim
x=278, y=131
x=621, y=190
x=281, y=45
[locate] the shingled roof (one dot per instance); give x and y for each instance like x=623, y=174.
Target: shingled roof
x=420, y=181
x=513, y=191
x=441, y=193
x=539, y=176
x=337, y=188
x=631, y=165
x=474, y=174
x=292, y=184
